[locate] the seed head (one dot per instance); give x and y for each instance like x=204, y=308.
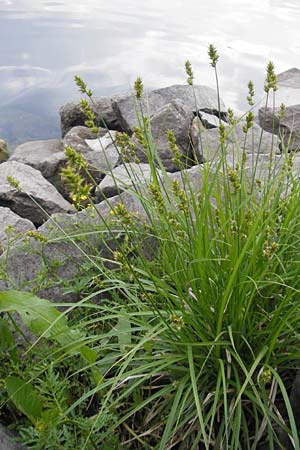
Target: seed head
x=37, y=236
x=82, y=86
x=266, y=375
x=126, y=147
x=231, y=116
x=222, y=134
x=189, y=72
x=90, y=115
x=213, y=55
x=234, y=179
x=14, y=183
x=271, y=79
x=174, y=148
x=250, y=93
x=157, y=197
x=138, y=87
x=75, y=158
x=282, y=111
x=177, y=321
x=249, y=122
x=140, y=136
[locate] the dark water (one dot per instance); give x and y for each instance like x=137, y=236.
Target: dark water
x=43, y=44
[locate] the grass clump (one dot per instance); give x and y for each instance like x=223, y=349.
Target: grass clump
x=194, y=343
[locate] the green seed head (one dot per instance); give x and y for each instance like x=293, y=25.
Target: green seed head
x=222, y=133
x=213, y=55
x=282, y=111
x=231, y=116
x=189, y=72
x=249, y=122
x=138, y=87
x=271, y=79
x=250, y=93
x=82, y=86
x=14, y=183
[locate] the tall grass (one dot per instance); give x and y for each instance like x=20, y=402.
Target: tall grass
x=197, y=330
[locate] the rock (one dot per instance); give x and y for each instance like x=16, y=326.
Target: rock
x=206, y=143
x=12, y=227
x=124, y=177
x=194, y=98
x=176, y=117
x=288, y=92
x=286, y=127
x=71, y=114
x=76, y=137
x=100, y=152
x=189, y=179
x=42, y=267
x=91, y=217
x=48, y=267
x=46, y=156
x=270, y=117
x=8, y=440
x=132, y=177
x=210, y=120
x=3, y=151
x=36, y=199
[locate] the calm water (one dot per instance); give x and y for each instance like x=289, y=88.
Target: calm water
x=44, y=43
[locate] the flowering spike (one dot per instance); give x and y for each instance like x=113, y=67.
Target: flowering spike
x=138, y=87
x=189, y=72
x=82, y=86
x=213, y=55
x=271, y=79
x=250, y=93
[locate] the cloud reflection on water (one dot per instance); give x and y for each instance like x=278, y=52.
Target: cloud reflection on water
x=109, y=44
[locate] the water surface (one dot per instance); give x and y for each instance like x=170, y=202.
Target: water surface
x=45, y=43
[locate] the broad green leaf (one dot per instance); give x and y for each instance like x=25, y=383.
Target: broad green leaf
x=24, y=397
x=43, y=319
x=6, y=337
x=39, y=315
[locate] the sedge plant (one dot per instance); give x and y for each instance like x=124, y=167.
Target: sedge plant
x=196, y=336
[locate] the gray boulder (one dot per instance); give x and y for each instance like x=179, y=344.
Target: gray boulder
x=210, y=120
x=12, y=227
x=8, y=440
x=47, y=266
x=288, y=125
x=46, y=156
x=189, y=179
x=124, y=177
x=35, y=198
x=206, y=143
x=71, y=114
x=134, y=177
x=100, y=152
x=77, y=136
x=288, y=91
x=194, y=98
x=173, y=116
x=3, y=151
x=42, y=267
x=57, y=259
